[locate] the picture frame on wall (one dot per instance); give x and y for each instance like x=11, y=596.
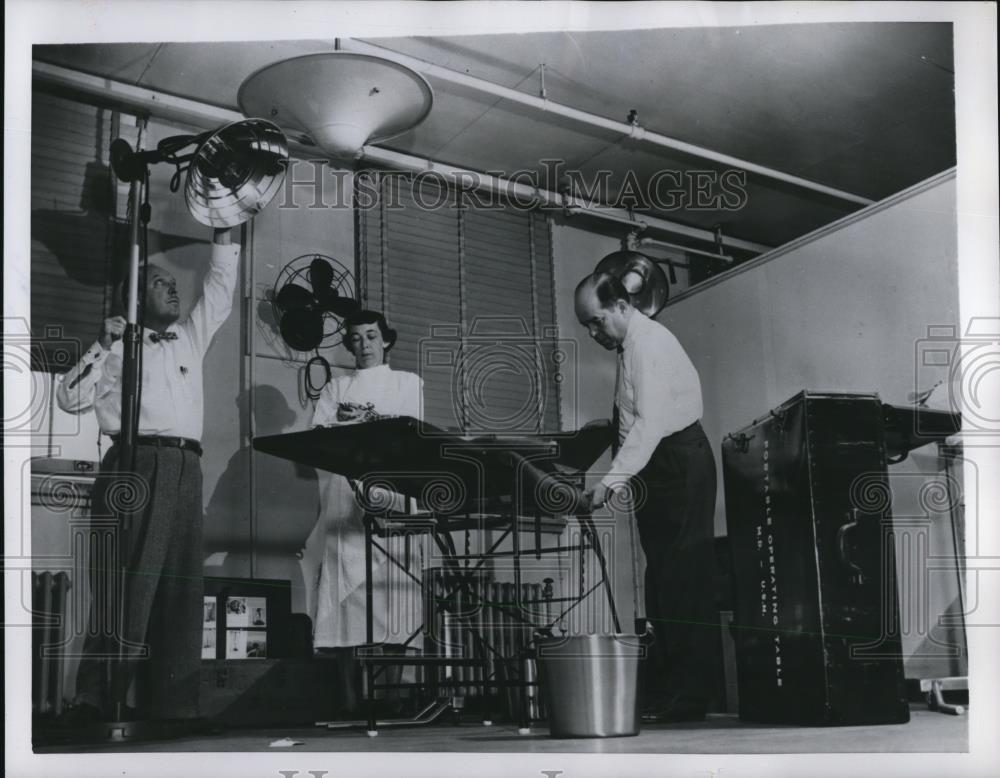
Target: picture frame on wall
x=246, y=619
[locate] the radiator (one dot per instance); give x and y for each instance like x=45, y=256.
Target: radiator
x=65, y=544
x=49, y=601
x=454, y=615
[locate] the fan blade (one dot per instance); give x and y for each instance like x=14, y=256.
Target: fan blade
x=292, y=297
x=343, y=306
x=302, y=329
x=326, y=298
x=320, y=274
x=330, y=300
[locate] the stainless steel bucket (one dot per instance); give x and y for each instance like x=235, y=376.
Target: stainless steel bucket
x=590, y=684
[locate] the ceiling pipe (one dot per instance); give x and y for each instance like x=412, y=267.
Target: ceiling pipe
x=644, y=223
x=633, y=130
x=164, y=106
x=141, y=100
x=686, y=249
x=612, y=215
x=544, y=198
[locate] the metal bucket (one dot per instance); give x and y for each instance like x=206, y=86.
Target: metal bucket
x=590, y=684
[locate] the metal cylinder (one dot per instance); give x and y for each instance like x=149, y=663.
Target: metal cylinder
x=441, y=628
x=473, y=649
x=507, y=674
x=457, y=633
x=590, y=684
x=529, y=670
x=494, y=668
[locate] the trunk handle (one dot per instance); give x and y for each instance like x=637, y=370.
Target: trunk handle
x=857, y=576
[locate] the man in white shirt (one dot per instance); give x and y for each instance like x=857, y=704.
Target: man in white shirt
x=161, y=538
x=662, y=454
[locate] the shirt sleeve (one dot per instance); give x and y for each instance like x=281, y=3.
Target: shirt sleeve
x=76, y=389
x=412, y=402
x=216, y=301
x=667, y=395
x=325, y=412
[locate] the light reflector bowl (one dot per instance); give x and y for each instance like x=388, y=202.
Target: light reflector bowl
x=338, y=100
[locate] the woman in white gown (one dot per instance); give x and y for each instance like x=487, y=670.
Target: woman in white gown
x=373, y=390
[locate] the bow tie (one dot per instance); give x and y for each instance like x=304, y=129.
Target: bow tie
x=155, y=338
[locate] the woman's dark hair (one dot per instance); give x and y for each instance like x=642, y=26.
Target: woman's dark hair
x=368, y=317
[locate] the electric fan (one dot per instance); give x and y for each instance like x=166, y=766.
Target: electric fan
x=311, y=297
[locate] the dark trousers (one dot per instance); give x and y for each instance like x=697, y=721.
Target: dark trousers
x=163, y=590
x=676, y=518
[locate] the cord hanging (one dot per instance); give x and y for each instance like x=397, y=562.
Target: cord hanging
x=312, y=391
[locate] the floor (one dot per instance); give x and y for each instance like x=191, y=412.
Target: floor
x=926, y=731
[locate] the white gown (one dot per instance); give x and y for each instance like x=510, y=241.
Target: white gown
x=339, y=535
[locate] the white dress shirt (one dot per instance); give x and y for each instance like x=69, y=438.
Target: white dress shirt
x=172, y=401
x=657, y=391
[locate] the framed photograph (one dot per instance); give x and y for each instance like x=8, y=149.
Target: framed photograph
x=236, y=612
x=209, y=643
x=236, y=644
x=246, y=618
x=256, y=645
x=257, y=611
x=208, y=614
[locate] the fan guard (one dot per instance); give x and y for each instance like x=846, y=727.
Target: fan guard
x=312, y=295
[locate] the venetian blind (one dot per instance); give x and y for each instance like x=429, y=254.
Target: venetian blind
x=74, y=232
x=470, y=292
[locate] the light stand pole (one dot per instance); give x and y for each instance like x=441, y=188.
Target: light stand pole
x=131, y=345
x=131, y=340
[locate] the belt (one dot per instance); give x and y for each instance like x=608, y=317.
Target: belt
x=690, y=432
x=162, y=441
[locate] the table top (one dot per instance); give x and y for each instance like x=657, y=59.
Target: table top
x=444, y=469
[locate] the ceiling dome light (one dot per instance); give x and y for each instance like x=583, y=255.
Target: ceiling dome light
x=339, y=100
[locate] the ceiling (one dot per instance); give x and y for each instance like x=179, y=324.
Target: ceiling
x=863, y=107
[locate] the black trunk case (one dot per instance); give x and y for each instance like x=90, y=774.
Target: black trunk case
x=810, y=528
